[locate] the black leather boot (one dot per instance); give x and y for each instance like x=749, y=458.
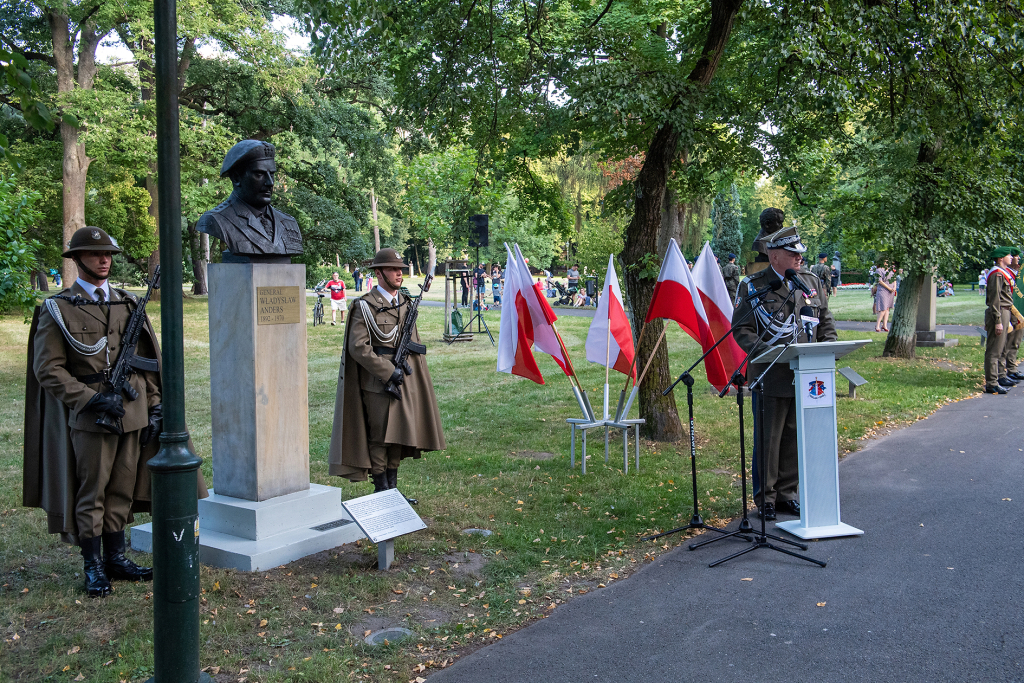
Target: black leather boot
x=96, y=582
x=393, y=484
x=119, y=567
x=380, y=482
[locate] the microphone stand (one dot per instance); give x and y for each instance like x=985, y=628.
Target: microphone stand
x=761, y=538
x=696, y=521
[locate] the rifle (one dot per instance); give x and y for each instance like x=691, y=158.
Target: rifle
x=127, y=362
x=405, y=343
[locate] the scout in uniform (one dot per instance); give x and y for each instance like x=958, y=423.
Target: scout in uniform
x=731, y=275
x=374, y=431
x=88, y=479
x=778, y=322
x=999, y=302
x=1015, y=337
x=824, y=272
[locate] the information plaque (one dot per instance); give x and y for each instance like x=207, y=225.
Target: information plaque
x=278, y=305
x=384, y=515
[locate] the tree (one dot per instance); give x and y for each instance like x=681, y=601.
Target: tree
x=725, y=217
x=17, y=255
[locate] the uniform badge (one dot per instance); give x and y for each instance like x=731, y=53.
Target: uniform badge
x=95, y=234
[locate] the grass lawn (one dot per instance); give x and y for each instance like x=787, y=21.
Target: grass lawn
x=966, y=308
x=557, y=534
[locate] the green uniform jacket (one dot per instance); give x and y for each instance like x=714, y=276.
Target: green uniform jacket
x=998, y=295
x=55, y=400
x=731, y=275
x=824, y=273
x=779, y=381
x=414, y=421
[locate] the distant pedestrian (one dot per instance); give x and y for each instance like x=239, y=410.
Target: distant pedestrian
x=574, y=277
x=982, y=281
x=337, y=287
x=835, y=280
x=357, y=275
x=731, y=275
x=999, y=302
x=824, y=272
x=885, y=296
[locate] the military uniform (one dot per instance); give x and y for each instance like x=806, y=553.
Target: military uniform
x=373, y=431
x=731, y=275
x=823, y=271
x=1014, y=338
x=999, y=301
x=777, y=322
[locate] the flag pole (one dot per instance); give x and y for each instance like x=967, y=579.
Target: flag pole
x=636, y=387
x=607, y=359
x=632, y=365
x=573, y=376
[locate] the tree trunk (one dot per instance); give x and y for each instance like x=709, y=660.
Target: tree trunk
x=670, y=225
x=902, y=339
x=376, y=227
x=641, y=238
x=75, y=165
x=199, y=285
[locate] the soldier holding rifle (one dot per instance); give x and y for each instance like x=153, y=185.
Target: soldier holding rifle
x=385, y=408
x=92, y=406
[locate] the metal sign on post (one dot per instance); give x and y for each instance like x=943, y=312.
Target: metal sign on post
x=384, y=516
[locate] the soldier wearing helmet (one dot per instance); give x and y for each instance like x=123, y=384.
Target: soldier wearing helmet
x=89, y=480
x=373, y=431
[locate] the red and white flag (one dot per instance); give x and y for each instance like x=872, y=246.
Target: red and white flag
x=526, y=321
x=610, y=339
x=717, y=307
x=676, y=297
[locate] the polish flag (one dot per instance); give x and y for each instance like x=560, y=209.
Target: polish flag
x=718, y=307
x=615, y=348
x=526, y=321
x=676, y=297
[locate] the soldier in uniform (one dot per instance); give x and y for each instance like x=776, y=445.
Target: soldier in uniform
x=999, y=301
x=1013, y=341
x=252, y=229
x=374, y=431
x=731, y=275
x=824, y=272
x=88, y=479
x=778, y=322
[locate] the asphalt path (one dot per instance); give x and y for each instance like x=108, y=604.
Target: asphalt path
x=931, y=592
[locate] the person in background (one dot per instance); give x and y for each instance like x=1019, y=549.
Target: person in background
x=496, y=284
x=731, y=275
x=835, y=280
x=885, y=296
x=464, y=286
x=982, y=281
x=999, y=302
x=337, y=287
x=357, y=275
x=824, y=272
x=1013, y=338
x=574, y=277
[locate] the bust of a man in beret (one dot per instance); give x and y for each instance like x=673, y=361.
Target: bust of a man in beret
x=252, y=229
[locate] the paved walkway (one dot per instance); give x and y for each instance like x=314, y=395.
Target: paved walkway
x=931, y=592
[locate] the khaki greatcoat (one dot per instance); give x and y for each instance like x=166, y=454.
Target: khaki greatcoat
x=55, y=403
x=414, y=422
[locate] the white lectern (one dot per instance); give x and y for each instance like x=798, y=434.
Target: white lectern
x=814, y=367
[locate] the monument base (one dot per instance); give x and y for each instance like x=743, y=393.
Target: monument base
x=258, y=535
x=933, y=338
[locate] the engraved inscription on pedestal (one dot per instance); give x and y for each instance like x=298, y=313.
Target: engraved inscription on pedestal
x=277, y=305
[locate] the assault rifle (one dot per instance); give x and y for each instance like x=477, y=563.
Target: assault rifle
x=127, y=362
x=405, y=343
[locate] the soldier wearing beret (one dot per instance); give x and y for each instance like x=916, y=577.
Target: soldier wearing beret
x=88, y=479
x=1013, y=340
x=374, y=431
x=824, y=272
x=252, y=229
x=777, y=322
x=999, y=302
x=731, y=275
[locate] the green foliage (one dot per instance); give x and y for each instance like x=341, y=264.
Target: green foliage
x=725, y=217
x=314, y=274
x=18, y=254
x=597, y=240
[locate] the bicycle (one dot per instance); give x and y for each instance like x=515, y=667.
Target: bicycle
x=318, y=307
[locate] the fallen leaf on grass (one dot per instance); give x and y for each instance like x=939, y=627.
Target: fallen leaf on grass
x=522, y=602
x=367, y=632
x=368, y=610
x=250, y=611
x=24, y=590
x=263, y=622
x=76, y=649
x=419, y=668
x=339, y=610
x=397, y=592
x=108, y=663
x=79, y=677
x=1006, y=499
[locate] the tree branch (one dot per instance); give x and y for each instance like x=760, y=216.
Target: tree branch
x=603, y=12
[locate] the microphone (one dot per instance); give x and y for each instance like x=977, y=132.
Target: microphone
x=791, y=276
x=809, y=321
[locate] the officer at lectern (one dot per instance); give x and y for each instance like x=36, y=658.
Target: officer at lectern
x=786, y=316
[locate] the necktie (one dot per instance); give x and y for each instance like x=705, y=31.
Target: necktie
x=268, y=225
x=100, y=295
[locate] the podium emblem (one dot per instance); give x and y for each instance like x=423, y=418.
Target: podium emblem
x=816, y=388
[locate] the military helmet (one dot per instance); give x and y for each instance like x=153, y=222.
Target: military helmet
x=246, y=152
x=387, y=258
x=90, y=239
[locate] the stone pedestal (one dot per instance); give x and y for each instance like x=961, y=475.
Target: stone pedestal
x=264, y=512
x=927, y=335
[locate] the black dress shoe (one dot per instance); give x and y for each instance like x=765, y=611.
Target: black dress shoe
x=96, y=582
x=119, y=567
x=994, y=389
x=1015, y=376
x=768, y=512
x=1006, y=382
x=789, y=507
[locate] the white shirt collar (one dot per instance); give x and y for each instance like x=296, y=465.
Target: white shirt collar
x=90, y=288
x=387, y=297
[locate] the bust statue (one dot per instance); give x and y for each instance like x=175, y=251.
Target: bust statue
x=253, y=230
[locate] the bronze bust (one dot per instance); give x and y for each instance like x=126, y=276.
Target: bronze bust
x=253, y=230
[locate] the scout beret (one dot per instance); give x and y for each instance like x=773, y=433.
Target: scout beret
x=246, y=152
